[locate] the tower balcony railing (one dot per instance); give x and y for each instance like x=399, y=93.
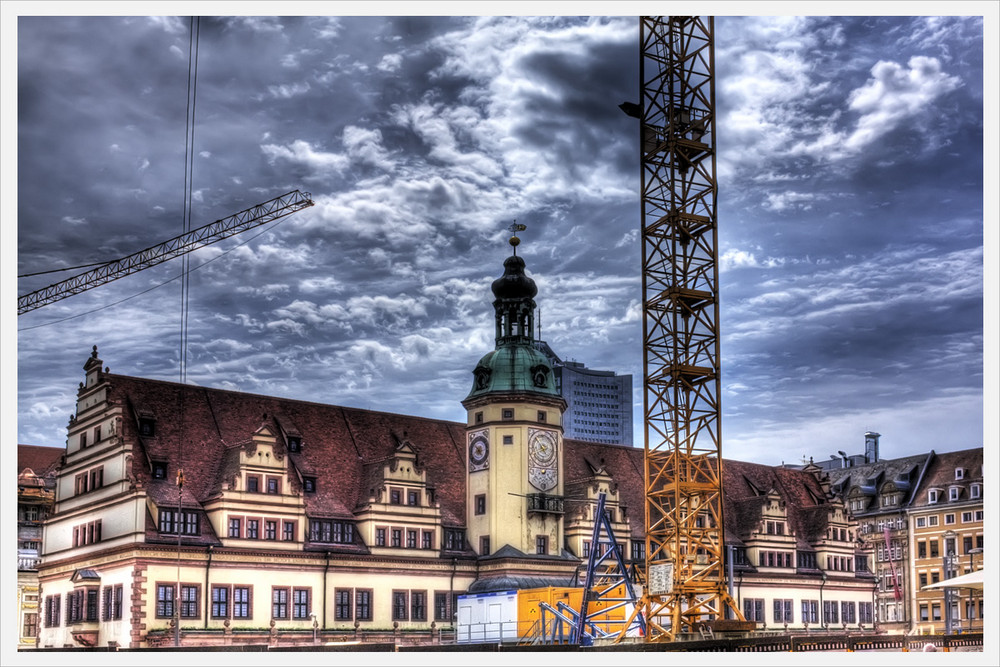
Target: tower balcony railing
x=28, y=562
x=543, y=502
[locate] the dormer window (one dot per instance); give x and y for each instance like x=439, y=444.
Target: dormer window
x=147, y=427
x=294, y=444
x=975, y=491
x=959, y=473
x=309, y=484
x=159, y=470
x=932, y=496
x=954, y=492
x=253, y=484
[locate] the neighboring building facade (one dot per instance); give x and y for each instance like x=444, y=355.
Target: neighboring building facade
x=598, y=403
x=254, y=518
x=796, y=561
x=879, y=495
x=946, y=540
x=35, y=492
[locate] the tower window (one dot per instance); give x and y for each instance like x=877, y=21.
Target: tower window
x=479, y=417
x=481, y=503
x=542, y=545
x=507, y=413
x=484, y=545
x=508, y=440
x=541, y=416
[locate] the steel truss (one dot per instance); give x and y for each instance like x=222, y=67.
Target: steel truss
x=685, y=574
x=271, y=210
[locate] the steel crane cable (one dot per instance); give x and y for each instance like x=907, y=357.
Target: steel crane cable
x=192, y=90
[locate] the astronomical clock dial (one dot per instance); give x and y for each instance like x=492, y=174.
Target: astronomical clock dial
x=479, y=451
x=543, y=462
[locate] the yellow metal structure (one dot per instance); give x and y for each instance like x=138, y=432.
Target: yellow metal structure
x=685, y=575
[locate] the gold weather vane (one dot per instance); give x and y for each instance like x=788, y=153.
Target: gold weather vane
x=514, y=227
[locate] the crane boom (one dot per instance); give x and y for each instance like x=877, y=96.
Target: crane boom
x=261, y=214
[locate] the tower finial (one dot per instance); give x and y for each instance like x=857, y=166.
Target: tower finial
x=514, y=241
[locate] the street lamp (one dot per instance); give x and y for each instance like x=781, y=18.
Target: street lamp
x=949, y=559
x=972, y=592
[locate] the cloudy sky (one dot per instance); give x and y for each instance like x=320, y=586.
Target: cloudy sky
x=851, y=218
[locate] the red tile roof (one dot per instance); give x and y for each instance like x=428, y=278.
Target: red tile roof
x=41, y=460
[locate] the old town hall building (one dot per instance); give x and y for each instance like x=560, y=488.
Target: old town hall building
x=251, y=518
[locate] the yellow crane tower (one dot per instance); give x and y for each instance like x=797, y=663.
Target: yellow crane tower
x=685, y=581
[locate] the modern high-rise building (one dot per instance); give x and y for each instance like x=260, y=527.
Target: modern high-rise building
x=598, y=403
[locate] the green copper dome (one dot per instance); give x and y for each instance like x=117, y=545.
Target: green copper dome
x=515, y=365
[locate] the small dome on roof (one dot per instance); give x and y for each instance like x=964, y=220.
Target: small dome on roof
x=514, y=284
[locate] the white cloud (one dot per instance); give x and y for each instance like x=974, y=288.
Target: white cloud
x=302, y=152
x=391, y=62
x=289, y=90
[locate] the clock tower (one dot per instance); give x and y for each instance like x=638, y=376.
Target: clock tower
x=514, y=431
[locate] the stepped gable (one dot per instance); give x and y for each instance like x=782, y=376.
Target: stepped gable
x=622, y=463
x=745, y=489
x=337, y=442
x=42, y=461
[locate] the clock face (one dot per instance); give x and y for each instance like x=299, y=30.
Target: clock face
x=543, y=460
x=479, y=451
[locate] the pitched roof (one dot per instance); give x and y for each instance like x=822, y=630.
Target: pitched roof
x=940, y=474
x=41, y=460
x=904, y=472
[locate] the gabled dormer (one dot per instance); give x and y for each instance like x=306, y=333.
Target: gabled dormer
x=582, y=513
x=400, y=513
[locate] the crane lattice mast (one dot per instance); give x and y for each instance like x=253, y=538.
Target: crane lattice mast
x=261, y=214
x=685, y=573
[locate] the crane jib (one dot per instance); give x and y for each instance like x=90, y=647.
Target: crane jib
x=261, y=214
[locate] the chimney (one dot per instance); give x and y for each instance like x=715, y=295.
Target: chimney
x=871, y=446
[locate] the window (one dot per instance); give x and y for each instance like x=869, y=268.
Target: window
x=975, y=490
x=418, y=605
x=241, y=602
x=159, y=470
x=83, y=440
x=484, y=545
x=413, y=498
x=454, y=539
x=189, y=601
x=935, y=577
x=924, y=615
x=147, y=427
x=542, y=545
x=380, y=537
x=830, y=616
x=753, y=609
x=164, y=601
x=934, y=548
x=185, y=522
x=847, y=613
x=541, y=416
x=932, y=496
x=949, y=519
x=427, y=540
x=638, y=551
x=806, y=560
x=959, y=473
x=954, y=493
x=810, y=611
x=479, y=417
x=923, y=579
x=936, y=611
x=91, y=615
x=967, y=517
x=342, y=608
x=288, y=531
x=30, y=628
x=775, y=528
x=921, y=549
x=220, y=602
x=273, y=485
x=309, y=484
x=507, y=413
x=270, y=530
x=411, y=539
x=921, y=522
x=395, y=497
x=253, y=484
x=783, y=611
x=253, y=526
x=932, y=521
x=866, y=612
x=294, y=444
x=363, y=604
x=279, y=603
x=441, y=607
x=339, y=532
x=88, y=533
x=234, y=527
x=300, y=603
x=52, y=603
x=399, y=606
x=508, y=440
x=481, y=503
x=113, y=602
x=397, y=537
